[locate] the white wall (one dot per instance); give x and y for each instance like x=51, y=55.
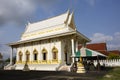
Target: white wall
x=47, y=44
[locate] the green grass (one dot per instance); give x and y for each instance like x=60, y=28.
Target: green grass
x=113, y=74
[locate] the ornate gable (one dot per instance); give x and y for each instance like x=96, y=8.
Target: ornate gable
x=52, y=26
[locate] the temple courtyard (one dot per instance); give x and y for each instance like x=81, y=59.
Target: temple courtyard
x=105, y=74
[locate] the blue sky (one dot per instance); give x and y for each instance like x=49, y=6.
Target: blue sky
x=99, y=20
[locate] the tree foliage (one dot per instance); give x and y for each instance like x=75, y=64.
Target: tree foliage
x=113, y=56
x=8, y=59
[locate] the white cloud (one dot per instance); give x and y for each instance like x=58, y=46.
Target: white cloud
x=48, y=6
x=99, y=37
x=1, y=33
x=19, y=11
x=91, y=2
x=113, y=46
x=113, y=42
x=15, y=10
x=117, y=35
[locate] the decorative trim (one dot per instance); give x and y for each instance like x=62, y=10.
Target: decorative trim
x=28, y=35
x=54, y=49
x=27, y=52
x=54, y=53
x=44, y=50
x=20, y=53
x=35, y=51
x=55, y=61
x=44, y=61
x=40, y=62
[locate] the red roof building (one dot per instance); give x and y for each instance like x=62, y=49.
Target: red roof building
x=100, y=47
x=115, y=52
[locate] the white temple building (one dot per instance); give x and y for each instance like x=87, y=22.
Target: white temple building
x=48, y=44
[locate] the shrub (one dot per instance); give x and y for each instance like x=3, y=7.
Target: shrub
x=113, y=56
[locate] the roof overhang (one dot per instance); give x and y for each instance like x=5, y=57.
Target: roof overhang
x=41, y=38
x=84, y=37
x=52, y=36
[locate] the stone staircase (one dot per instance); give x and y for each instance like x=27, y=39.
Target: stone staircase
x=80, y=68
x=9, y=67
x=66, y=67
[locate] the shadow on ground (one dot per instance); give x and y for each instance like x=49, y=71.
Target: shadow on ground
x=50, y=75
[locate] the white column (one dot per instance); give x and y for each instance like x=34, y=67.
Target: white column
x=31, y=51
x=11, y=56
x=59, y=50
x=24, y=57
x=84, y=45
x=76, y=45
x=39, y=51
x=48, y=54
x=76, y=49
x=17, y=56
x=24, y=53
x=73, y=53
x=50, y=48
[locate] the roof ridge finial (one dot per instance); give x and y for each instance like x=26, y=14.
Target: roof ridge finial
x=28, y=22
x=68, y=11
x=72, y=11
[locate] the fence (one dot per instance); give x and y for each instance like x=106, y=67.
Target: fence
x=109, y=63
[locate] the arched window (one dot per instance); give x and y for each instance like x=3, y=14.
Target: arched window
x=35, y=52
x=44, y=54
x=55, y=53
x=20, y=56
x=27, y=56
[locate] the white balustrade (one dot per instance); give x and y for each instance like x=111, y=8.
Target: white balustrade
x=109, y=63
